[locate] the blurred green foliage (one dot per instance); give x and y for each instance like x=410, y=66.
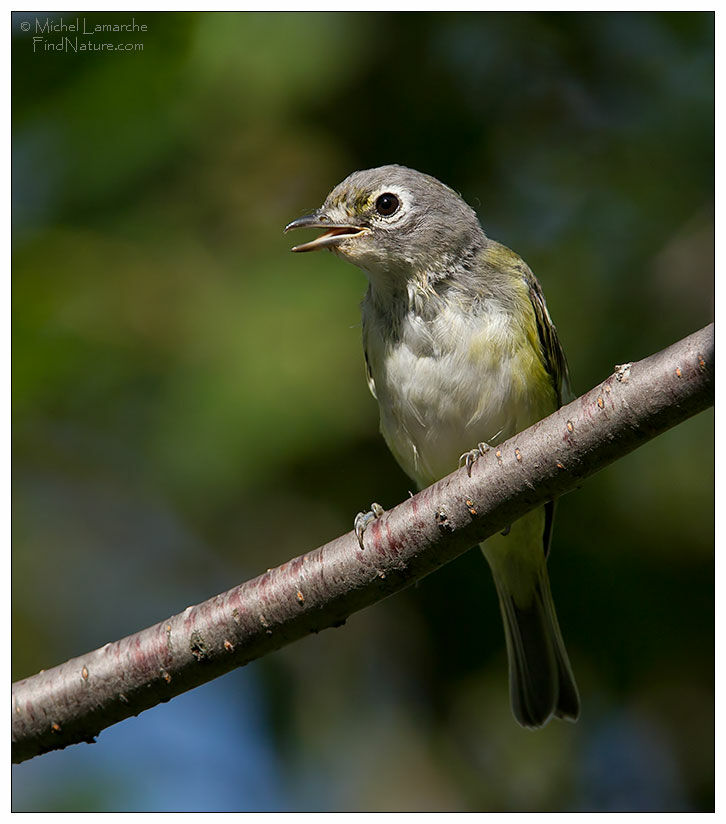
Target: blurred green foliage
x=190, y=407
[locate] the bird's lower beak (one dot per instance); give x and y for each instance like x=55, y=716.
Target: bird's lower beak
x=333, y=236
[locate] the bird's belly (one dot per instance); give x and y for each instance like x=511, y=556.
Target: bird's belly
x=435, y=408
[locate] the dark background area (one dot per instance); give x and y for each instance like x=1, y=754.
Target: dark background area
x=190, y=406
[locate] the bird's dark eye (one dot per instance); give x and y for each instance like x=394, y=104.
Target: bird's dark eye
x=386, y=204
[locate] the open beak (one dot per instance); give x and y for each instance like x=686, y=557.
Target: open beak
x=334, y=234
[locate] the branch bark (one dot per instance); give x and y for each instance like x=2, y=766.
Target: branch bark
x=74, y=701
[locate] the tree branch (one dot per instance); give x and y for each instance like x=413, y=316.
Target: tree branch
x=73, y=702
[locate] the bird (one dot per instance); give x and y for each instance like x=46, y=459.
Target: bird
x=461, y=354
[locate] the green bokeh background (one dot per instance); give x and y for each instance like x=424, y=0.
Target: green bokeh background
x=190, y=405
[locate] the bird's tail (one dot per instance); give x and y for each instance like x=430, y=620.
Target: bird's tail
x=541, y=683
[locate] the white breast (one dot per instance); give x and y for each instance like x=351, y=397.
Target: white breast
x=445, y=385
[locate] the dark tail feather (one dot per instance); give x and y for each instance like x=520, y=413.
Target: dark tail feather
x=541, y=683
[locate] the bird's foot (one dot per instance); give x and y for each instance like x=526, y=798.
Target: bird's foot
x=469, y=458
x=362, y=520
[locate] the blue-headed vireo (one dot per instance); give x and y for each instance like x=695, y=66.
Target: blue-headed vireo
x=460, y=350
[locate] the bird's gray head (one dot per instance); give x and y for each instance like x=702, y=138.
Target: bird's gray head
x=394, y=222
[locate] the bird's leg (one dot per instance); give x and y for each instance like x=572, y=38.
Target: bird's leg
x=363, y=519
x=469, y=458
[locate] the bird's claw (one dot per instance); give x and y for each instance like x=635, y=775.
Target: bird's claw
x=469, y=458
x=363, y=519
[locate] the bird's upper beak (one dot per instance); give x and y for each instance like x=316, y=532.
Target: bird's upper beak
x=335, y=232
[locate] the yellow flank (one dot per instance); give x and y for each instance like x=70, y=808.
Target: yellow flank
x=529, y=378
x=517, y=344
